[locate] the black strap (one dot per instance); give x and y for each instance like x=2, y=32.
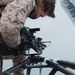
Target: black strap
x=1, y=8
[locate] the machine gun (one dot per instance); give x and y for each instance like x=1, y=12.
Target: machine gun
x=28, y=41
x=33, y=60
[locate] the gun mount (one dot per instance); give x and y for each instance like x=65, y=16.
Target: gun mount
x=30, y=41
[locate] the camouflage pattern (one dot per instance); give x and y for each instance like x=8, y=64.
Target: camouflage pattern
x=5, y=2
x=12, y=20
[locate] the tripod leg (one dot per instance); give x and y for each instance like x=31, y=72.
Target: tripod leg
x=16, y=60
x=28, y=71
x=53, y=71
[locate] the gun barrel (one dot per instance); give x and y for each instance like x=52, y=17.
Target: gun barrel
x=46, y=42
x=67, y=63
x=59, y=67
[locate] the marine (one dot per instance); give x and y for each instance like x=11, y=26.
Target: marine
x=13, y=15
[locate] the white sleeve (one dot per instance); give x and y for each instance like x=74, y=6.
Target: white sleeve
x=69, y=8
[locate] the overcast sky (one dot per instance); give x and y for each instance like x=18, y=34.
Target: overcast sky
x=60, y=31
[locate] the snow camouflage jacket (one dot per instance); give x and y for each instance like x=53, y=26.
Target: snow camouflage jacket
x=13, y=18
x=69, y=7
